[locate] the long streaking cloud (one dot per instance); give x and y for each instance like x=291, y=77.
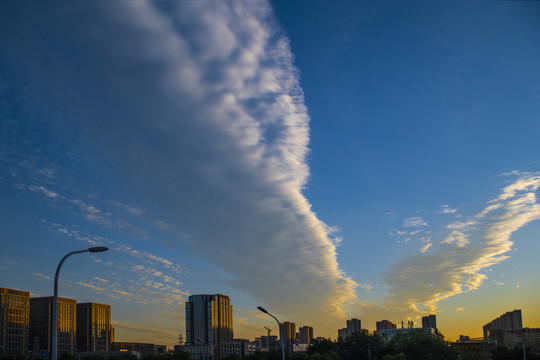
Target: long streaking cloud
x=197, y=107
x=458, y=262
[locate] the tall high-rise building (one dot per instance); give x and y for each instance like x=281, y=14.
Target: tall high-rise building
x=305, y=334
x=209, y=323
x=511, y=320
x=288, y=331
x=353, y=325
x=14, y=323
x=41, y=321
x=429, y=321
x=94, y=330
x=385, y=325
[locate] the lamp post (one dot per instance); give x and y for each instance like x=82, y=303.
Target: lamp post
x=280, y=330
x=55, y=298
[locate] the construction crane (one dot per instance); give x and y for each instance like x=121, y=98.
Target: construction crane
x=268, y=329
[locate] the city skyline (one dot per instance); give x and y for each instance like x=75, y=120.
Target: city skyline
x=209, y=327
x=325, y=160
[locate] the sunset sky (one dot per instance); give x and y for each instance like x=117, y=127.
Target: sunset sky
x=323, y=159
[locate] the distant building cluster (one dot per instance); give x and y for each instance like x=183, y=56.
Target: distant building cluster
x=387, y=329
x=209, y=331
x=353, y=326
x=85, y=329
x=506, y=330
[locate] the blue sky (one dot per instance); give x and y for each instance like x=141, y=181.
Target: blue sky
x=326, y=160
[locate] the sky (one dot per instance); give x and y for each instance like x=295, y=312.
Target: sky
x=326, y=160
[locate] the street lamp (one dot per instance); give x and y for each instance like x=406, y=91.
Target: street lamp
x=281, y=331
x=55, y=298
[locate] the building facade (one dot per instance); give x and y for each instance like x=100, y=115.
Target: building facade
x=145, y=349
x=511, y=320
x=41, y=322
x=288, y=331
x=94, y=330
x=475, y=348
x=305, y=334
x=209, y=323
x=429, y=321
x=14, y=323
x=385, y=324
x=353, y=325
x=268, y=343
x=238, y=347
x=529, y=336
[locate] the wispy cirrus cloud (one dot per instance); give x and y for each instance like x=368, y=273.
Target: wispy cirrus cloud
x=122, y=292
x=446, y=209
x=46, y=277
x=43, y=190
x=415, y=221
x=93, y=287
x=154, y=275
x=212, y=133
x=457, y=263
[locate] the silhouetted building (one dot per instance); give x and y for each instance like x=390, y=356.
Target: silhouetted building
x=342, y=333
x=209, y=323
x=288, y=331
x=83, y=355
x=385, y=324
x=429, y=321
x=14, y=323
x=238, y=347
x=41, y=322
x=268, y=343
x=474, y=348
x=353, y=325
x=509, y=321
x=94, y=330
x=515, y=338
x=144, y=348
x=305, y=334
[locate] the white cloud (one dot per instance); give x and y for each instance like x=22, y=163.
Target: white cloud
x=414, y=221
x=43, y=190
x=446, y=209
x=425, y=247
x=366, y=286
x=43, y=276
x=135, y=211
x=458, y=263
x=121, y=292
x=212, y=132
x=93, y=287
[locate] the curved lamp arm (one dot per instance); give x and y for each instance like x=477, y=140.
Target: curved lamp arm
x=280, y=330
x=55, y=298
